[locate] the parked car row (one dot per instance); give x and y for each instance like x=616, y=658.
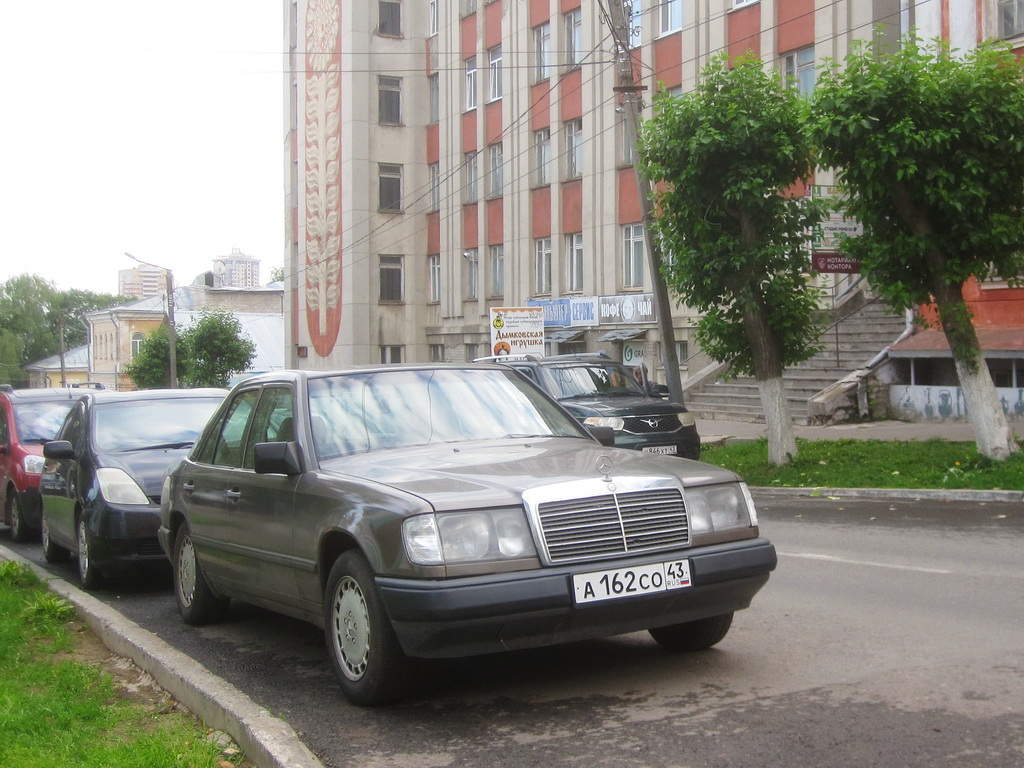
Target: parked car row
x=410, y=511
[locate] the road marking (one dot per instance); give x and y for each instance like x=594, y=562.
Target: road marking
x=833, y=559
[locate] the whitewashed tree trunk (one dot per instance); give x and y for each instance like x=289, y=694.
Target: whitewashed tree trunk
x=781, y=438
x=992, y=432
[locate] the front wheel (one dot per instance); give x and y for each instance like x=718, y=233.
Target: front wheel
x=197, y=602
x=52, y=551
x=21, y=531
x=693, y=635
x=87, y=571
x=364, y=651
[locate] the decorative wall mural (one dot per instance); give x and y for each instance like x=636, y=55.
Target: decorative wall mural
x=924, y=403
x=322, y=175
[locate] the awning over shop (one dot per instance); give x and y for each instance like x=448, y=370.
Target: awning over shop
x=995, y=343
x=622, y=334
x=569, y=334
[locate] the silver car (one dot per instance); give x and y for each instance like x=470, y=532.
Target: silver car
x=440, y=511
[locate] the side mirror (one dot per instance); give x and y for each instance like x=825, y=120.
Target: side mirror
x=277, y=459
x=58, y=449
x=604, y=435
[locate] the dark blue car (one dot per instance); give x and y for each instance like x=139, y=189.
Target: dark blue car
x=103, y=474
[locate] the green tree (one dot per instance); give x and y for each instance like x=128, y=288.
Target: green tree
x=277, y=274
x=207, y=353
x=724, y=157
x=929, y=146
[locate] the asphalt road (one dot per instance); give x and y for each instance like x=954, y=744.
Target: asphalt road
x=892, y=634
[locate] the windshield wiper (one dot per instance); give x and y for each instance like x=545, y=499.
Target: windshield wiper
x=164, y=446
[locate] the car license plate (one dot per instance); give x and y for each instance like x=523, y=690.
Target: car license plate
x=671, y=449
x=629, y=582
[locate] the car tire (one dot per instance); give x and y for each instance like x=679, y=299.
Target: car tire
x=197, y=602
x=52, y=551
x=693, y=635
x=87, y=571
x=21, y=531
x=365, y=653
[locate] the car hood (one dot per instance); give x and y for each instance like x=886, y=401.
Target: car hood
x=147, y=468
x=496, y=472
x=619, y=406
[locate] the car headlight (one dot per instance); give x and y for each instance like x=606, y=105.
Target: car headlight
x=714, y=508
x=686, y=419
x=117, y=487
x=33, y=464
x=468, y=537
x=615, y=422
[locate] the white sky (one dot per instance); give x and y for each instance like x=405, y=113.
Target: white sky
x=132, y=125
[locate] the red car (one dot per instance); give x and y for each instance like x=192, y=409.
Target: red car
x=28, y=418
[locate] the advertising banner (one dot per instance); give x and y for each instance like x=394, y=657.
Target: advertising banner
x=517, y=331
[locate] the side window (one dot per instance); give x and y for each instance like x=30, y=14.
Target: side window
x=228, y=451
x=272, y=421
x=4, y=436
x=74, y=428
x=527, y=372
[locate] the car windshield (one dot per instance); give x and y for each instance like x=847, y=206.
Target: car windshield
x=151, y=424
x=361, y=412
x=38, y=422
x=590, y=380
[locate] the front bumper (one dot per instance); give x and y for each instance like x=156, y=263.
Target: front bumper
x=124, y=538
x=527, y=609
x=685, y=441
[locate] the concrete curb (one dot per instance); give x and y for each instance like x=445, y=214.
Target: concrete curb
x=894, y=493
x=267, y=741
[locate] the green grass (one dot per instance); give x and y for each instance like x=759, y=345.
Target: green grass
x=55, y=711
x=936, y=464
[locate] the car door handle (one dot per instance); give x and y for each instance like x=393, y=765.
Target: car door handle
x=188, y=486
x=233, y=494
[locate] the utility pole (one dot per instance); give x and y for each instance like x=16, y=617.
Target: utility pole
x=630, y=90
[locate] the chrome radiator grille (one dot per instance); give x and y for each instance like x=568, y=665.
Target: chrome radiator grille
x=610, y=524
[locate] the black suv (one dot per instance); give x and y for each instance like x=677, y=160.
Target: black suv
x=599, y=391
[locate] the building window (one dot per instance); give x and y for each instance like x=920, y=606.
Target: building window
x=389, y=18
x=434, y=171
x=494, y=73
x=473, y=352
x=391, y=278
x=542, y=264
x=434, y=277
x=437, y=353
x=633, y=255
x=389, y=178
x=472, y=173
x=472, y=258
x=434, y=85
x=542, y=51
x=497, y=271
x=682, y=353
x=542, y=156
x=471, y=83
x=634, y=9
x=1011, y=18
x=497, y=170
x=574, y=149
x=799, y=66
x=627, y=145
x=671, y=16
x=137, y=339
x=432, y=16
x=575, y=248
x=389, y=100
x=390, y=354
x=741, y=3
x=574, y=38
x=468, y=6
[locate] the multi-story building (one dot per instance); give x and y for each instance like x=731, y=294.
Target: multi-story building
x=451, y=156
x=236, y=270
x=141, y=282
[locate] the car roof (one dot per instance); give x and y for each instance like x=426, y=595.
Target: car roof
x=42, y=394
x=138, y=395
x=293, y=375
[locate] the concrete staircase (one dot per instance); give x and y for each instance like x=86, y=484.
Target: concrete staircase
x=859, y=336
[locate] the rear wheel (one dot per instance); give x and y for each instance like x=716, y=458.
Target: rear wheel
x=693, y=635
x=197, y=602
x=364, y=651
x=87, y=572
x=52, y=551
x=20, y=529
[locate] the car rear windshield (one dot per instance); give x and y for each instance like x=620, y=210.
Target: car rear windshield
x=38, y=422
x=142, y=424
x=355, y=413
x=589, y=380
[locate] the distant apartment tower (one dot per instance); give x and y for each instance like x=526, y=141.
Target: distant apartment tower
x=447, y=157
x=237, y=270
x=142, y=281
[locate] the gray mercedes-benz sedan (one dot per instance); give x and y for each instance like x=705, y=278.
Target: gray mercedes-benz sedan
x=439, y=511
